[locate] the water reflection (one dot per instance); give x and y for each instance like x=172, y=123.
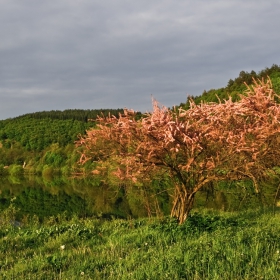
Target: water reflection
x=50, y=196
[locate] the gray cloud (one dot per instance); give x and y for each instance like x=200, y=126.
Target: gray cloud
x=114, y=54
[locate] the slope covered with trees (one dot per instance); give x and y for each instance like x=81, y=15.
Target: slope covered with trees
x=238, y=85
x=45, y=139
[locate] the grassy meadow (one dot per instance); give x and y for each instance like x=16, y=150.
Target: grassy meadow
x=210, y=245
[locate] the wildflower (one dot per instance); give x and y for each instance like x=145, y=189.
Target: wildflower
x=82, y=273
x=62, y=247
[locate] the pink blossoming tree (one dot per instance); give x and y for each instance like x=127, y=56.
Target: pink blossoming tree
x=206, y=143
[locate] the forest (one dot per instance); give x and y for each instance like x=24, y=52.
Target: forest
x=238, y=85
x=44, y=139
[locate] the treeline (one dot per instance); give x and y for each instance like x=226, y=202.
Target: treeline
x=237, y=86
x=73, y=114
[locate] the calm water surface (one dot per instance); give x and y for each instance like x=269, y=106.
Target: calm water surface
x=46, y=197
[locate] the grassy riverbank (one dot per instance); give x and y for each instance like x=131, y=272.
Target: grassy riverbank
x=208, y=246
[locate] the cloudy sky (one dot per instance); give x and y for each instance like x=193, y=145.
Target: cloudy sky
x=89, y=54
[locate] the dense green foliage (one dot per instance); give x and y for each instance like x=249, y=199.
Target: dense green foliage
x=208, y=246
x=44, y=141
x=39, y=130
x=37, y=134
x=237, y=86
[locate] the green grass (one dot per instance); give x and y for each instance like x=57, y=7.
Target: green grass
x=208, y=246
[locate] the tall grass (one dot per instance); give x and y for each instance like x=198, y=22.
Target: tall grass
x=208, y=246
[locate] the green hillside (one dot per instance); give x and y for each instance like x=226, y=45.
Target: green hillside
x=45, y=139
x=237, y=86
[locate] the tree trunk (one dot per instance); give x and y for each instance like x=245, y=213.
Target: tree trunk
x=182, y=205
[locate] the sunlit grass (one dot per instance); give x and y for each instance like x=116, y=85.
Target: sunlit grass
x=207, y=246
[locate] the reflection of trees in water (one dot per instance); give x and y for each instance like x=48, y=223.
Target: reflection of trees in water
x=234, y=196
x=46, y=196
x=85, y=197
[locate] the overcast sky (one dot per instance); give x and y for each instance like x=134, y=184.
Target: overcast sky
x=89, y=54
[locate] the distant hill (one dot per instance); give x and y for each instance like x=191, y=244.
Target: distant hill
x=236, y=86
x=36, y=131
x=46, y=137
